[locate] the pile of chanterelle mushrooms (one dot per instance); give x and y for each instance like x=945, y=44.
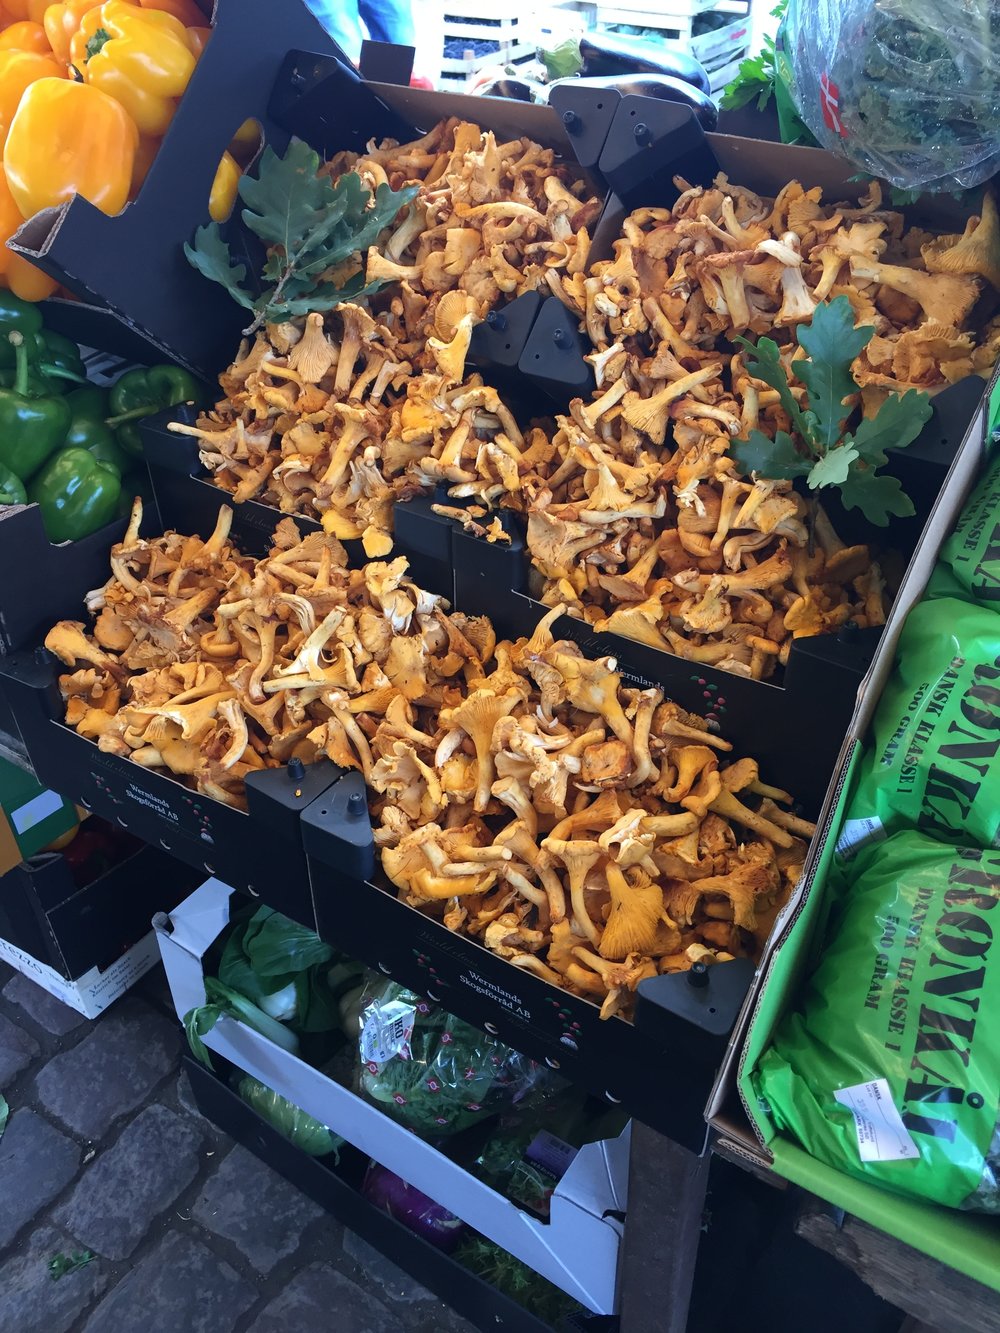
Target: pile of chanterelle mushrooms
x=636, y=517
x=590, y=833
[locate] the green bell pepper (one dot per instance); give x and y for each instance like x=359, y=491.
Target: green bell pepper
x=87, y=430
x=32, y=425
x=143, y=393
x=76, y=494
x=59, y=357
x=12, y=490
x=20, y=315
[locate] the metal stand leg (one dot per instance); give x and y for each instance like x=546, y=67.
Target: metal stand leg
x=666, y=1200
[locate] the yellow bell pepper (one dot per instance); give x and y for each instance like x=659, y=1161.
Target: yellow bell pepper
x=222, y=196
x=18, y=70
x=22, y=277
x=32, y=10
x=144, y=155
x=140, y=57
x=28, y=281
x=61, y=21
x=89, y=143
x=198, y=40
x=25, y=36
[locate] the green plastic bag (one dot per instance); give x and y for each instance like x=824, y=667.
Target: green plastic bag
x=936, y=760
x=890, y=1069
x=971, y=555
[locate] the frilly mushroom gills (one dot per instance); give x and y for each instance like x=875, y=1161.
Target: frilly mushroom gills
x=520, y=793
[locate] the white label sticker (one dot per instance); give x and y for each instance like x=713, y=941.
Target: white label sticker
x=857, y=833
x=882, y=1136
x=386, y=1032
x=34, y=811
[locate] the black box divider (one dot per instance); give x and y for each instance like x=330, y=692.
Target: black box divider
x=586, y=114
x=311, y=94
x=134, y=264
x=661, y=1068
x=553, y=354
x=258, y=852
x=332, y=1188
x=75, y=929
x=649, y=142
x=43, y=583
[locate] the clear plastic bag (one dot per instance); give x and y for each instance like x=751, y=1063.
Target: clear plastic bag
x=908, y=90
x=434, y=1073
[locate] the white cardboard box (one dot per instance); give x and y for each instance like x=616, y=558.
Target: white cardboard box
x=577, y=1249
x=90, y=994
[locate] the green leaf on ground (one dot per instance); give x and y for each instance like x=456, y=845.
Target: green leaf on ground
x=60, y=1264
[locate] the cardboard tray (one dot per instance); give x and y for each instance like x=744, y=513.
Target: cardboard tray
x=133, y=265
x=337, y=1189
x=259, y=850
x=577, y=1248
x=660, y=1068
x=964, y=1241
x=73, y=930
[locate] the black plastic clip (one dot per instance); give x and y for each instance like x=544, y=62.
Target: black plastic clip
x=553, y=355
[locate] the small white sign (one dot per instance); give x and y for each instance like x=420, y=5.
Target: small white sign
x=386, y=1032
x=882, y=1136
x=34, y=811
x=858, y=833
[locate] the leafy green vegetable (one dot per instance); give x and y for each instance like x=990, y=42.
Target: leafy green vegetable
x=452, y=1076
x=562, y=61
x=300, y=1129
x=515, y=1279
x=821, y=450
x=755, y=76
x=60, y=1264
x=4, y=1113
x=311, y=227
x=273, y=975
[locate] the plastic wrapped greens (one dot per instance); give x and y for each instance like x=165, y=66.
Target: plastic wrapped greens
x=908, y=90
x=434, y=1073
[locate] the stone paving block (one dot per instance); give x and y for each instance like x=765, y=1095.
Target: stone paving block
x=17, y=1050
x=45, y=1009
x=123, y=1190
x=32, y=1302
x=112, y=1070
x=179, y=1287
x=36, y=1164
x=259, y=1211
x=320, y=1298
x=389, y=1276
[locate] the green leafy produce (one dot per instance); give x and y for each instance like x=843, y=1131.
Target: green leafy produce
x=60, y=1264
x=300, y=1129
x=755, y=76
x=432, y=1072
x=515, y=1279
x=4, y=1113
x=275, y=976
x=822, y=451
x=562, y=61
x=312, y=228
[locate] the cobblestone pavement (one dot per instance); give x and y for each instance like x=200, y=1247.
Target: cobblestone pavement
x=104, y=1151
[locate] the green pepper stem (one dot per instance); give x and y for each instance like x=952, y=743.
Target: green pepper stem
x=136, y=414
x=20, y=361
x=57, y=372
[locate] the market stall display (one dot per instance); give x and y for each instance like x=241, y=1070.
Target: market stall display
x=506, y=694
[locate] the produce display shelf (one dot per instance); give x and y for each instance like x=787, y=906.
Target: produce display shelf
x=337, y=1189
x=576, y=1249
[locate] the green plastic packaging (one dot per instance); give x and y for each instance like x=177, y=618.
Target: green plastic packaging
x=971, y=555
x=899, y=1013
x=936, y=760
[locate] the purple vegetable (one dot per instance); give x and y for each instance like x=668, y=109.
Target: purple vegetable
x=391, y=1194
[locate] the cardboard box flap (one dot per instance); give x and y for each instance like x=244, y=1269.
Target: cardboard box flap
x=577, y=1248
